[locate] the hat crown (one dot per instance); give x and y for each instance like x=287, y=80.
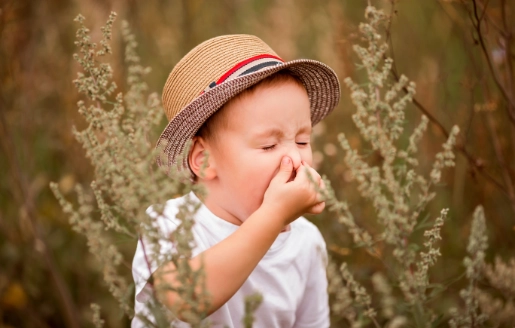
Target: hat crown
x=205, y=64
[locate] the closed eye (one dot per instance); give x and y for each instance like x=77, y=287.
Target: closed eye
x=302, y=143
x=267, y=148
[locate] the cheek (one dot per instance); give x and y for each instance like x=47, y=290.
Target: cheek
x=266, y=167
x=262, y=169
x=254, y=171
x=254, y=183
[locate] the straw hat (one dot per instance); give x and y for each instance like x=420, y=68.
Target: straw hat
x=218, y=69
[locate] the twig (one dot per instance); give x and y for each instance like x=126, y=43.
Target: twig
x=505, y=94
x=396, y=77
x=508, y=38
x=494, y=23
x=500, y=158
x=508, y=35
x=476, y=163
x=389, y=31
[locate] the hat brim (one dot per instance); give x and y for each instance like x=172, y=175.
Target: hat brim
x=320, y=81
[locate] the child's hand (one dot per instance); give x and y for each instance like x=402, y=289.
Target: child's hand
x=293, y=198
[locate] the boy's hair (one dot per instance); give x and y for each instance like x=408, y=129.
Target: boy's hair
x=219, y=120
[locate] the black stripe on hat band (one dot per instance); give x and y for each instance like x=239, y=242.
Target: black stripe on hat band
x=251, y=69
x=259, y=66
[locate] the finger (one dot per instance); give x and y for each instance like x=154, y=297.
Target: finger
x=317, y=208
x=311, y=169
x=307, y=164
x=321, y=184
x=285, y=171
x=314, y=175
x=300, y=172
x=320, y=207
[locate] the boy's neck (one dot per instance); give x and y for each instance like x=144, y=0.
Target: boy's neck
x=209, y=200
x=220, y=212
x=225, y=215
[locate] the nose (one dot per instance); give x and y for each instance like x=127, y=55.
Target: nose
x=294, y=154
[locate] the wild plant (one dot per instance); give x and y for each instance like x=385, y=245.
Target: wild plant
x=397, y=191
x=399, y=195
x=118, y=140
x=490, y=293
x=474, y=263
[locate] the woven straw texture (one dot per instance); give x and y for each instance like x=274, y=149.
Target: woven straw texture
x=187, y=109
x=206, y=63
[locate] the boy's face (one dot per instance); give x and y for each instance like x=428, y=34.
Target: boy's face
x=262, y=127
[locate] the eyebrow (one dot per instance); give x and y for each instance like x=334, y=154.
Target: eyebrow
x=274, y=132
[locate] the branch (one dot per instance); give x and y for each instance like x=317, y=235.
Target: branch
x=506, y=33
x=476, y=163
x=492, y=21
x=500, y=158
x=504, y=92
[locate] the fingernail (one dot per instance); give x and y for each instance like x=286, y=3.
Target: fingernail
x=286, y=160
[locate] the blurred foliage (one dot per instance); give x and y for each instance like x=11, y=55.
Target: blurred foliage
x=459, y=53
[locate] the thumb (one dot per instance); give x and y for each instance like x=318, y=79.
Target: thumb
x=285, y=171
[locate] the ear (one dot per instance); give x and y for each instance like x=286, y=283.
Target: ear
x=197, y=160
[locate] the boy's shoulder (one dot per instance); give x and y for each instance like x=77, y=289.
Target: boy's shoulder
x=307, y=234
x=166, y=215
x=174, y=203
x=306, y=226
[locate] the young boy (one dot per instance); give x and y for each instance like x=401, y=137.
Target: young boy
x=252, y=113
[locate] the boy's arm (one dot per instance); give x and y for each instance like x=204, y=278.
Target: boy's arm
x=229, y=263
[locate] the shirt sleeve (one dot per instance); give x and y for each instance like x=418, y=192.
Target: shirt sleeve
x=144, y=263
x=313, y=311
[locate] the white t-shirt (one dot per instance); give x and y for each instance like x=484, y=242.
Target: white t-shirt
x=291, y=276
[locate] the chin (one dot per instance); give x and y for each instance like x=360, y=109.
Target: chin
x=249, y=210
x=249, y=204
